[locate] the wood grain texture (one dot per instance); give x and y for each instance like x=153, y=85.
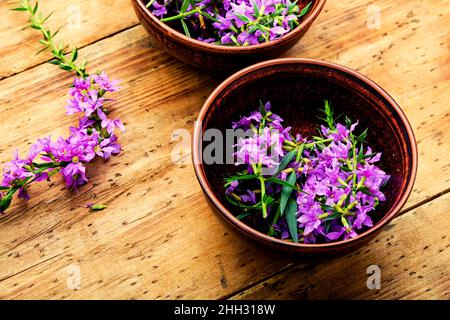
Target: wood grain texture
x=83, y=22
x=158, y=238
x=413, y=255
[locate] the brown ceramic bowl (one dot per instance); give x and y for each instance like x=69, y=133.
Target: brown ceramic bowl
x=217, y=57
x=296, y=88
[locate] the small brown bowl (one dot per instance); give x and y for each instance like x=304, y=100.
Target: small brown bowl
x=296, y=88
x=218, y=57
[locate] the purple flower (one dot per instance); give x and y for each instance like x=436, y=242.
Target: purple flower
x=362, y=219
x=23, y=194
x=265, y=149
x=245, y=122
x=68, y=155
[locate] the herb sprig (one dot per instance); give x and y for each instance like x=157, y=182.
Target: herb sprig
x=235, y=23
x=66, y=61
x=321, y=189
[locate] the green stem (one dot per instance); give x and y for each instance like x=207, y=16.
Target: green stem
x=354, y=186
x=150, y=3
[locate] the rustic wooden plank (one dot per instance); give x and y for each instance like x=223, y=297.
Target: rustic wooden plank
x=158, y=238
x=83, y=22
x=413, y=256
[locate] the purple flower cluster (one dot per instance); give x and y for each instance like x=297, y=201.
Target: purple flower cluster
x=322, y=189
x=94, y=136
x=232, y=22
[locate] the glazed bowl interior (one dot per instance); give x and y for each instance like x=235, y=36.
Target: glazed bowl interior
x=296, y=89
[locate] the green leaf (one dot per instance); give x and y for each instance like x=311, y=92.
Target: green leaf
x=56, y=32
x=210, y=17
x=291, y=218
x=286, y=160
x=329, y=115
x=255, y=9
x=287, y=191
x=5, y=202
x=19, y=9
x=65, y=67
x=56, y=62
x=46, y=18
x=262, y=108
x=253, y=29
x=243, y=215
x=268, y=200
x=332, y=216
x=361, y=137
x=360, y=154
x=366, y=190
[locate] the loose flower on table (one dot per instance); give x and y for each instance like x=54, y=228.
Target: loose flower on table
x=232, y=22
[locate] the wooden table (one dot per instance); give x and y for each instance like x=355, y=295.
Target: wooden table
x=158, y=239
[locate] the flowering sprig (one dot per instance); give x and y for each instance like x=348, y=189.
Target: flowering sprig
x=321, y=188
x=232, y=22
x=93, y=137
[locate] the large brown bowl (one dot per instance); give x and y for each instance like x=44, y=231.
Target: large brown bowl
x=296, y=88
x=217, y=57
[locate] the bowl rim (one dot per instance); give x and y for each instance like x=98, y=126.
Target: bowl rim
x=201, y=176
x=232, y=49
